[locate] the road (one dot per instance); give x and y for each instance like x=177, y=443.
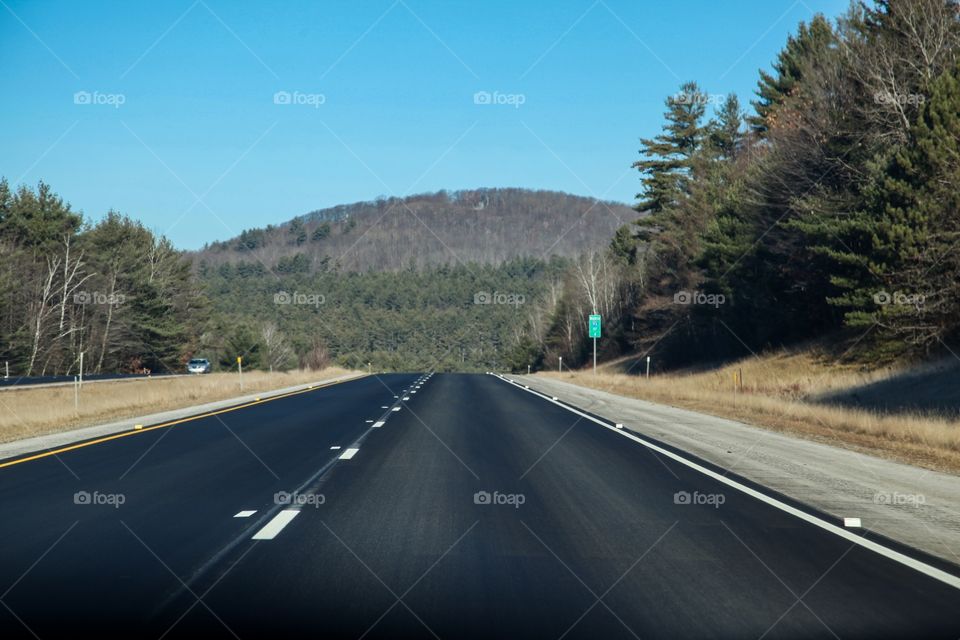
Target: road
x=447, y=505
x=34, y=381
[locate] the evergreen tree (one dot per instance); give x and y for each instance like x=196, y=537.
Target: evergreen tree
x=667, y=157
x=773, y=90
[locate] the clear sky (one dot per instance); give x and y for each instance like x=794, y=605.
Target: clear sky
x=202, y=118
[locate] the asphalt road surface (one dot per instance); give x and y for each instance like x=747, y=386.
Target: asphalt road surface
x=445, y=506
x=31, y=381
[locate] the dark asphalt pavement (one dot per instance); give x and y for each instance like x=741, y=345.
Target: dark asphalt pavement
x=477, y=509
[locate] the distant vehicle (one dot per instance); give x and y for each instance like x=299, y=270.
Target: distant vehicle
x=199, y=365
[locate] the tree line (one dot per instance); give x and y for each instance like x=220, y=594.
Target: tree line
x=113, y=290
x=830, y=207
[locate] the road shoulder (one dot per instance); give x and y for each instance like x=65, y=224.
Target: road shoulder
x=918, y=507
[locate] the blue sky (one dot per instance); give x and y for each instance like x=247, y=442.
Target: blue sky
x=202, y=118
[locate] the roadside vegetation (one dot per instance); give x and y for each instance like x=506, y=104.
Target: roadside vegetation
x=806, y=393
x=27, y=412
x=828, y=207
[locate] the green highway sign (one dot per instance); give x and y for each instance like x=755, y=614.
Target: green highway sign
x=595, y=325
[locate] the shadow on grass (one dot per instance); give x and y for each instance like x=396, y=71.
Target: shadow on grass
x=933, y=390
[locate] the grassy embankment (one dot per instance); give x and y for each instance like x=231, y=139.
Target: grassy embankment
x=30, y=412
x=786, y=391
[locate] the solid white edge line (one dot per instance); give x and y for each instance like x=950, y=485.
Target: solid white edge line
x=922, y=567
x=349, y=453
x=276, y=525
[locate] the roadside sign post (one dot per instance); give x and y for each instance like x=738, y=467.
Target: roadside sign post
x=594, y=326
x=81, y=368
x=240, y=370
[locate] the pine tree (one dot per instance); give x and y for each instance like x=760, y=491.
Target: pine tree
x=899, y=252
x=667, y=158
x=773, y=90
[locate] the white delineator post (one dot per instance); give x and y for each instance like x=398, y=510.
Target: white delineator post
x=240, y=370
x=648, y=367
x=560, y=365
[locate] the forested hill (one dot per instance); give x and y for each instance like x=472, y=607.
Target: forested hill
x=484, y=226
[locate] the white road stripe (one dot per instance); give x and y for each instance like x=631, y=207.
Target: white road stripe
x=396, y=409
x=378, y=424
x=896, y=556
x=334, y=448
x=349, y=453
x=245, y=514
x=276, y=525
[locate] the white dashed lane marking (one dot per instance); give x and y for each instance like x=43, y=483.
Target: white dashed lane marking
x=276, y=525
x=245, y=514
x=349, y=453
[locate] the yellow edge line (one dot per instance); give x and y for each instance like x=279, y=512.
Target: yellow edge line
x=162, y=425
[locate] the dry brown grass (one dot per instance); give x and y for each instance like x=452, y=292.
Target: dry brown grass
x=30, y=412
x=777, y=393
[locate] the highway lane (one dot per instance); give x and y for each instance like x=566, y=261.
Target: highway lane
x=599, y=546
x=476, y=510
x=180, y=488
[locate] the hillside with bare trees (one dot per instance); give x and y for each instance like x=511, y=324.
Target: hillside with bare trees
x=483, y=226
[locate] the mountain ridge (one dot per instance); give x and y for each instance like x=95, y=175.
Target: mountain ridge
x=485, y=225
